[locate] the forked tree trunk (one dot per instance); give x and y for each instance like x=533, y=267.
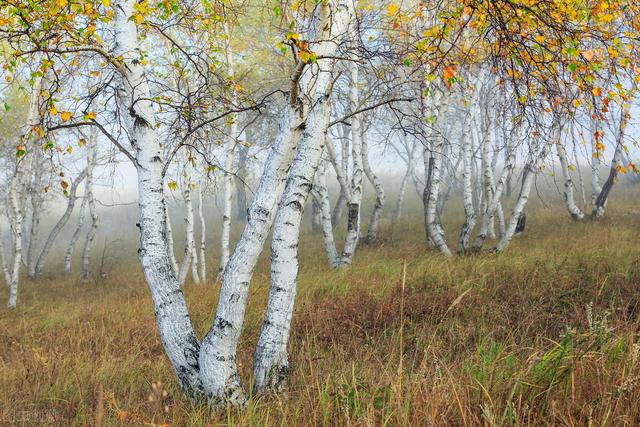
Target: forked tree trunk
x=53, y=235
x=355, y=192
x=405, y=181
x=433, y=170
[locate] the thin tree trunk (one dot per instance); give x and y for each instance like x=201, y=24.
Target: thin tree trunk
x=76, y=235
x=596, y=188
x=575, y=212
x=321, y=193
x=355, y=192
x=91, y=234
x=189, y=260
x=467, y=194
x=203, y=237
x=376, y=213
x=36, y=196
x=403, y=185
x=433, y=163
x=53, y=235
x=527, y=181
x=230, y=146
x=170, y=243
x=603, y=197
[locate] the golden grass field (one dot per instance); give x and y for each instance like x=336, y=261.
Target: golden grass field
x=546, y=333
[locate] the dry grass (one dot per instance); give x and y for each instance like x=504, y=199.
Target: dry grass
x=546, y=333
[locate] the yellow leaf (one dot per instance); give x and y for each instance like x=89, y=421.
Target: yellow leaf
x=392, y=9
x=106, y=3
x=65, y=115
x=90, y=115
x=588, y=54
x=53, y=111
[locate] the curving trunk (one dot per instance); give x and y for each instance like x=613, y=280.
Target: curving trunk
x=603, y=196
x=569, y=201
x=529, y=175
x=53, y=235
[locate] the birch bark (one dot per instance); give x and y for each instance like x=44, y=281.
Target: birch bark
x=91, y=202
x=530, y=172
x=575, y=212
x=376, y=213
x=172, y=317
x=228, y=162
x=271, y=365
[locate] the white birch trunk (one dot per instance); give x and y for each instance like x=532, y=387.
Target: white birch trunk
x=228, y=164
x=53, y=235
x=530, y=173
x=189, y=259
x=36, y=196
x=321, y=193
x=433, y=169
x=203, y=237
x=355, y=191
x=495, y=204
x=271, y=363
x=18, y=188
x=376, y=213
x=603, y=196
x=405, y=181
x=569, y=201
x=74, y=238
x=467, y=194
x=91, y=202
x=172, y=317
x=170, y=243
x=596, y=188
